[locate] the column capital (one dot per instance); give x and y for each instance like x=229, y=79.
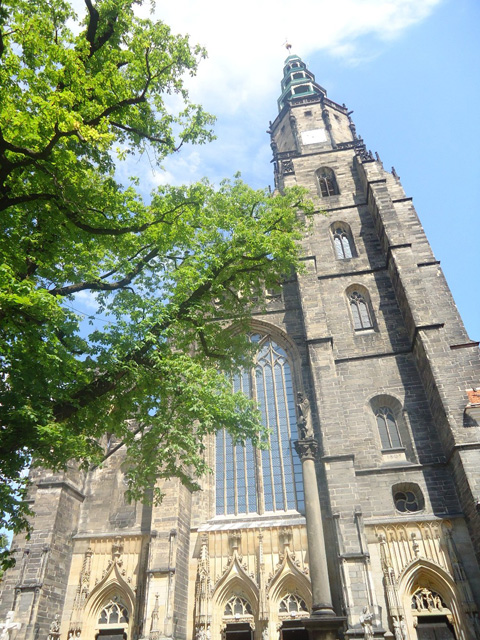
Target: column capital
x=307, y=449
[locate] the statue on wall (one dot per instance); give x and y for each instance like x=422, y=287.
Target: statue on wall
x=399, y=629
x=305, y=426
x=366, y=620
x=54, y=628
x=8, y=626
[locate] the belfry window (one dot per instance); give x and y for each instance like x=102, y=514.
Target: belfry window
x=342, y=241
x=387, y=427
x=249, y=480
x=327, y=182
x=361, y=314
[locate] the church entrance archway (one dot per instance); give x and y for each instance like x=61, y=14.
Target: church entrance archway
x=111, y=634
x=434, y=628
x=293, y=630
x=238, y=631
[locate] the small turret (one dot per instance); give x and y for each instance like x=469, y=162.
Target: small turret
x=298, y=82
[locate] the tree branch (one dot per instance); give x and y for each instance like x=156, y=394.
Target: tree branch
x=139, y=132
x=95, y=285
x=10, y=202
x=73, y=217
x=92, y=24
x=107, y=382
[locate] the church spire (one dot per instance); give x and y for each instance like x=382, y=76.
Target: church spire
x=297, y=82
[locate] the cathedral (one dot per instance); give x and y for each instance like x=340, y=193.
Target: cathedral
x=362, y=519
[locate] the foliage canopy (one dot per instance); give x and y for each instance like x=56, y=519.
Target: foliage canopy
x=77, y=98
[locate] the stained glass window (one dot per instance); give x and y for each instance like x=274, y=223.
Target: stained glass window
x=249, y=480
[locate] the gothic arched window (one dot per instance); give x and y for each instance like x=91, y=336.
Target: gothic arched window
x=327, y=182
x=361, y=313
x=342, y=241
x=387, y=427
x=250, y=480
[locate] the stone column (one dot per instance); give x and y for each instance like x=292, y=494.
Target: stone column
x=323, y=623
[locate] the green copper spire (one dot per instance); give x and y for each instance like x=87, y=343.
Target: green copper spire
x=298, y=82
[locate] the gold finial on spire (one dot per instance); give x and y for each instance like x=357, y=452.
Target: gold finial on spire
x=287, y=45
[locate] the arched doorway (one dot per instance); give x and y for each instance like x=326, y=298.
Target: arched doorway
x=113, y=621
x=291, y=611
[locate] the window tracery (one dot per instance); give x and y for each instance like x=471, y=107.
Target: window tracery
x=406, y=502
x=424, y=600
x=237, y=607
x=292, y=605
x=115, y=612
x=408, y=497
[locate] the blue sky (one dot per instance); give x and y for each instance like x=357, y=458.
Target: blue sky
x=408, y=68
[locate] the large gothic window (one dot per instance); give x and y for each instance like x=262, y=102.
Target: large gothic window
x=249, y=480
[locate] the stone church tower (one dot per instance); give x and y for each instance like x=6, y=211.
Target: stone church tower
x=364, y=515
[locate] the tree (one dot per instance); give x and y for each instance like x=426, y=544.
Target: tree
x=77, y=98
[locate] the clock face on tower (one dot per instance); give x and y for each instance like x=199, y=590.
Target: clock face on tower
x=313, y=136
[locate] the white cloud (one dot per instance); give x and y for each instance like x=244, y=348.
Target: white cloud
x=85, y=301
x=245, y=41
x=240, y=80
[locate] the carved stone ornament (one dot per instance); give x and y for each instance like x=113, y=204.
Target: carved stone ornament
x=424, y=600
x=307, y=449
x=54, y=632
x=8, y=626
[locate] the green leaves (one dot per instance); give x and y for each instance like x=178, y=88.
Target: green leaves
x=173, y=278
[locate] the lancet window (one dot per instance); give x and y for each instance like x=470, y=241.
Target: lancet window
x=249, y=480
x=387, y=427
